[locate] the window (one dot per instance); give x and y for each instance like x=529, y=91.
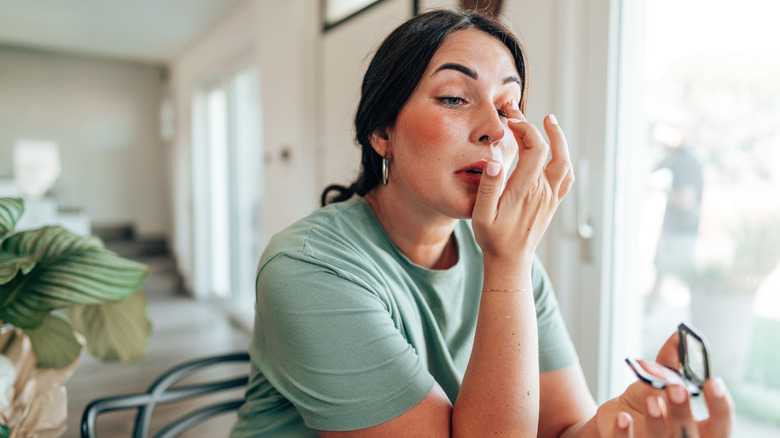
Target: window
x=697, y=211
x=336, y=12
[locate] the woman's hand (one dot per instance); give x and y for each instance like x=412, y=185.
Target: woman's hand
x=644, y=411
x=509, y=226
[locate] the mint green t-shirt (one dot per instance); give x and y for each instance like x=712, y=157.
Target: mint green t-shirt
x=349, y=333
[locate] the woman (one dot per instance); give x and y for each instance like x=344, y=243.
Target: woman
x=384, y=314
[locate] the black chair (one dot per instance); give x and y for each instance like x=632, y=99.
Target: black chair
x=162, y=392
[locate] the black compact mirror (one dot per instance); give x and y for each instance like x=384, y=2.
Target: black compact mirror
x=694, y=360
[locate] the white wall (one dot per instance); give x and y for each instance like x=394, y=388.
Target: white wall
x=280, y=38
x=104, y=115
x=229, y=42
x=345, y=55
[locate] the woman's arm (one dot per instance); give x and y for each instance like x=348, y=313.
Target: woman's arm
x=500, y=391
x=429, y=418
x=566, y=403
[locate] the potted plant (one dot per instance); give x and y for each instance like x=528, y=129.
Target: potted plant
x=58, y=292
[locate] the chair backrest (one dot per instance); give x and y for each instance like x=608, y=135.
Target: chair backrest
x=162, y=392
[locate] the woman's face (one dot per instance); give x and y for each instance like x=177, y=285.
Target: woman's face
x=442, y=136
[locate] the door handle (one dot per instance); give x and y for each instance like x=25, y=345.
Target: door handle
x=584, y=229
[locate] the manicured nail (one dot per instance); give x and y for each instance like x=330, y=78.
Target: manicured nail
x=553, y=120
x=716, y=387
x=514, y=105
x=677, y=394
x=493, y=168
x=522, y=116
x=623, y=420
x=653, y=407
x=514, y=120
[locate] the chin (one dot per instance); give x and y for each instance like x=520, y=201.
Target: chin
x=452, y=205
x=464, y=210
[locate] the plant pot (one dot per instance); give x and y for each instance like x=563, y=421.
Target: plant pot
x=38, y=402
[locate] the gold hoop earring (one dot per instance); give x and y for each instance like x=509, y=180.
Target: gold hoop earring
x=385, y=170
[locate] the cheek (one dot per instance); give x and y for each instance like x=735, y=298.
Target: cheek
x=428, y=132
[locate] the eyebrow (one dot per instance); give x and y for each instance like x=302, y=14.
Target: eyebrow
x=472, y=73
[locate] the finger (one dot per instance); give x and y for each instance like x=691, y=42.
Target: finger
x=559, y=166
x=567, y=183
x=679, y=413
x=662, y=372
x=720, y=407
x=654, y=420
x=669, y=354
x=532, y=149
x=488, y=193
x=624, y=426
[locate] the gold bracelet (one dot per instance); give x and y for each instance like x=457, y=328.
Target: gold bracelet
x=506, y=290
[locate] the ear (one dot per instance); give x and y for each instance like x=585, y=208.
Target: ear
x=380, y=141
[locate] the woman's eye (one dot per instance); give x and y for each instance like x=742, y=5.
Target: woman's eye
x=452, y=100
x=502, y=113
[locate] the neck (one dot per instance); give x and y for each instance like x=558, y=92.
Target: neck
x=424, y=237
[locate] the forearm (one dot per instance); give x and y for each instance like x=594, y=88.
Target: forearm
x=586, y=429
x=590, y=428
x=500, y=389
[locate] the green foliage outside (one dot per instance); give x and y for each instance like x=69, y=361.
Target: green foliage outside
x=764, y=355
x=758, y=394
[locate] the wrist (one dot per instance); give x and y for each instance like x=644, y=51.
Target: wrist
x=517, y=260
x=498, y=276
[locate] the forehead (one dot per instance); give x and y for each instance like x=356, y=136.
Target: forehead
x=477, y=50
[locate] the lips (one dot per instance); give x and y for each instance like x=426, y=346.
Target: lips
x=472, y=173
x=475, y=168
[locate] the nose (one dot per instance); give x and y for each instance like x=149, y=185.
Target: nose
x=490, y=126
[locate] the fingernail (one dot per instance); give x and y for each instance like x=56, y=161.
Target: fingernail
x=514, y=105
x=493, y=168
x=514, y=120
x=553, y=120
x=522, y=116
x=653, y=408
x=677, y=394
x=716, y=387
x=623, y=420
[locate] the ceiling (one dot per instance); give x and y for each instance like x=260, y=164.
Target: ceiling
x=138, y=30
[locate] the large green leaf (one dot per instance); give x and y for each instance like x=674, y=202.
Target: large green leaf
x=11, y=210
x=10, y=265
x=54, y=343
x=114, y=331
x=71, y=270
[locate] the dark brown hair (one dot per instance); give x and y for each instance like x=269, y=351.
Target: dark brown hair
x=394, y=73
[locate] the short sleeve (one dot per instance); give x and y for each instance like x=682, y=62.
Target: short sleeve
x=331, y=346
x=556, y=350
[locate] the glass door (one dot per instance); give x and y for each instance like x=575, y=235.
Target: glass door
x=697, y=194
x=247, y=188
x=219, y=197
x=228, y=189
